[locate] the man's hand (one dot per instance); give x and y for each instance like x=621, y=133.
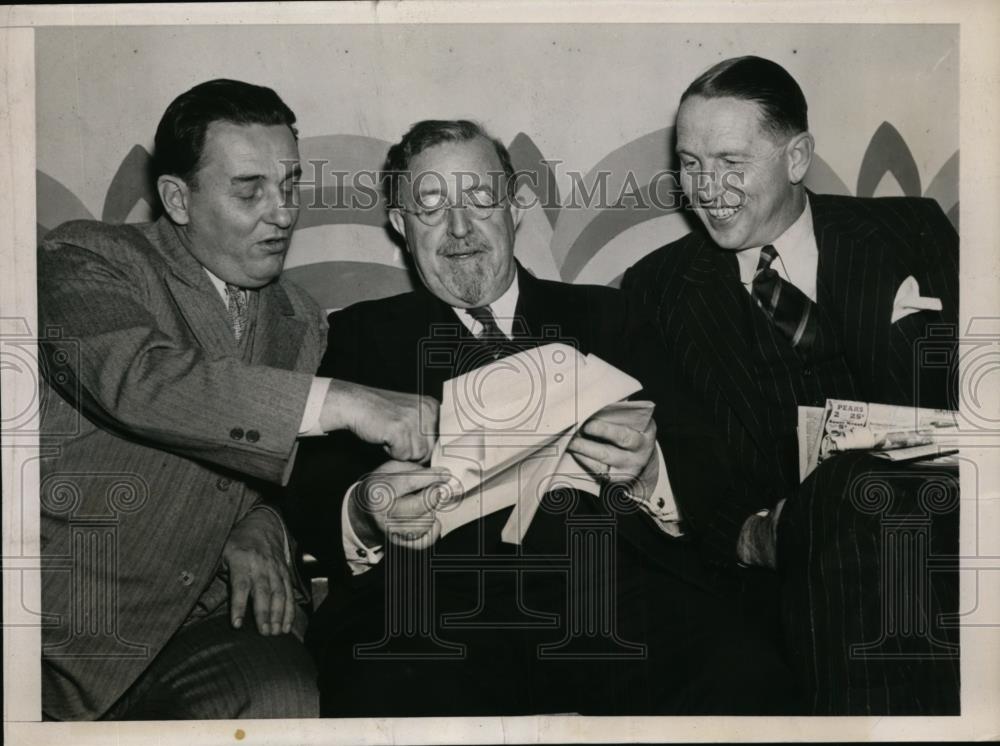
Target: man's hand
x=757, y=544
x=398, y=501
x=405, y=424
x=254, y=558
x=618, y=453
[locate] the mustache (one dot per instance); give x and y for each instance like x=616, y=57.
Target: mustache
x=462, y=246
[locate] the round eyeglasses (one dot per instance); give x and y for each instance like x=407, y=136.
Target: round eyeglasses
x=479, y=205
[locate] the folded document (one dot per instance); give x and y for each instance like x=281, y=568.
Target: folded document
x=505, y=427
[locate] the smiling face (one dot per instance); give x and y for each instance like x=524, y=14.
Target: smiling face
x=744, y=183
x=464, y=261
x=239, y=212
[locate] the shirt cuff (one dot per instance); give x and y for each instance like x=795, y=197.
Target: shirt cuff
x=360, y=558
x=310, y=424
x=661, y=506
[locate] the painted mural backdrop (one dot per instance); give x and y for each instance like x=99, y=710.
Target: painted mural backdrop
x=582, y=108
x=343, y=251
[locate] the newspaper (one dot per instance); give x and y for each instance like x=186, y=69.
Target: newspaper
x=505, y=428
x=891, y=431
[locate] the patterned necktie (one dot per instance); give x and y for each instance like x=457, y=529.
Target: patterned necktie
x=237, y=309
x=788, y=307
x=490, y=334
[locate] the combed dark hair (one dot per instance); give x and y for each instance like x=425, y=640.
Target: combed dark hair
x=180, y=136
x=427, y=134
x=766, y=83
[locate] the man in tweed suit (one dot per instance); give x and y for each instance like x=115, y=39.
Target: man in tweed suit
x=179, y=373
x=784, y=299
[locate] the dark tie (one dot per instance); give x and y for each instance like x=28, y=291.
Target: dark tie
x=237, y=309
x=490, y=333
x=787, y=306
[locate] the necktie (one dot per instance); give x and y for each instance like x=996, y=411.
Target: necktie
x=490, y=334
x=237, y=309
x=788, y=307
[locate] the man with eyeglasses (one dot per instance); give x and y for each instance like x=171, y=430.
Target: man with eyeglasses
x=450, y=192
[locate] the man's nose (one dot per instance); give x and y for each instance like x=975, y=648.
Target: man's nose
x=458, y=221
x=283, y=210
x=707, y=186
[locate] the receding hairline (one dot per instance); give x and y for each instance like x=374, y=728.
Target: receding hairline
x=211, y=143
x=776, y=134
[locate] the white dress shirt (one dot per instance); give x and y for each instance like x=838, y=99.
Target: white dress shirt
x=798, y=256
x=661, y=506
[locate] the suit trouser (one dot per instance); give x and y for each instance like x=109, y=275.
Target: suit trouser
x=208, y=670
x=867, y=553
x=662, y=645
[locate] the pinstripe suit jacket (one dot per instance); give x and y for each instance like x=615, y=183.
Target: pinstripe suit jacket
x=157, y=438
x=709, y=409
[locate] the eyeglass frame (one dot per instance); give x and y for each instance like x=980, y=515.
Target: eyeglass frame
x=445, y=208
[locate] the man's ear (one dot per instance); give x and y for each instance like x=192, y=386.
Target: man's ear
x=799, y=152
x=175, y=195
x=398, y=224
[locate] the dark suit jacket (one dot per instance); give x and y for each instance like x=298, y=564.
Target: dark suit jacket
x=709, y=410
x=159, y=439
x=397, y=343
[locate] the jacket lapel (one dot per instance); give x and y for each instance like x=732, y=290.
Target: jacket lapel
x=531, y=309
x=858, y=274
x=197, y=300
x=278, y=336
x=441, y=351
x=712, y=312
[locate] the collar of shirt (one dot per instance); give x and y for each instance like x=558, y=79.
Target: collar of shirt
x=503, y=311
x=798, y=256
x=219, y=285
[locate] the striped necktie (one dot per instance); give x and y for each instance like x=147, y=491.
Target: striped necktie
x=490, y=334
x=788, y=307
x=237, y=309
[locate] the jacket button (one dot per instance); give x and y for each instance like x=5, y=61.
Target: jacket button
x=223, y=484
x=186, y=577
x=236, y=433
x=252, y=436
x=807, y=372
x=362, y=553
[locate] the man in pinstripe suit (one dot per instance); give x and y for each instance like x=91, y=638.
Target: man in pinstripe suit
x=180, y=371
x=783, y=299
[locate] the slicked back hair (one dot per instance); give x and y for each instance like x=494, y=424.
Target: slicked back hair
x=180, y=136
x=782, y=105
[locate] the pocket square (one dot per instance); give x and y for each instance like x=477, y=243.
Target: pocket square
x=909, y=300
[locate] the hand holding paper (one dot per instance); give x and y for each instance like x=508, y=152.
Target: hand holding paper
x=618, y=443
x=506, y=427
x=397, y=502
